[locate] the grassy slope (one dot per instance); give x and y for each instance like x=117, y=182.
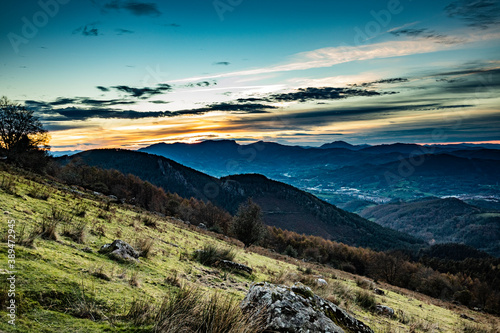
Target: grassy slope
x=55, y=276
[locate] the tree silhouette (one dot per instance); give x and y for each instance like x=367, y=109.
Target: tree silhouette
x=22, y=136
x=247, y=224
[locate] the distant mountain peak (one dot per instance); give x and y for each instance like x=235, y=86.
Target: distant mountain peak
x=343, y=144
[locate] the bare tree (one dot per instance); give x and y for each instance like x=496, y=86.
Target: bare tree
x=21, y=132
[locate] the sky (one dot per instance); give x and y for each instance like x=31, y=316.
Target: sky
x=122, y=73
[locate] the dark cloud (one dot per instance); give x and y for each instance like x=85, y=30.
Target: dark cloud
x=325, y=93
x=123, y=31
x=426, y=34
x=86, y=101
x=306, y=119
x=89, y=30
x=315, y=94
x=63, y=101
x=247, y=108
x=478, y=13
x=109, y=102
x=473, y=128
x=74, y=114
x=98, y=109
x=222, y=63
x=136, y=8
x=159, y=102
x=171, y=25
x=309, y=134
x=225, y=107
x=383, y=81
x=101, y=88
x=144, y=92
x=201, y=84
x=36, y=104
x=470, y=81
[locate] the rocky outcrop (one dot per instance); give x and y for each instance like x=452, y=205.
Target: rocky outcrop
x=119, y=250
x=234, y=266
x=296, y=309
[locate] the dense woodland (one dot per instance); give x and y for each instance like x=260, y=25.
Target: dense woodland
x=474, y=282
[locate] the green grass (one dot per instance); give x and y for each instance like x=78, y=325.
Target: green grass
x=61, y=288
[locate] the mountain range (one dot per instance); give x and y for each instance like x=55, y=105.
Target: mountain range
x=340, y=172
x=438, y=220
x=283, y=205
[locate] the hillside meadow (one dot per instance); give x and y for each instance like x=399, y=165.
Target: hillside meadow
x=63, y=284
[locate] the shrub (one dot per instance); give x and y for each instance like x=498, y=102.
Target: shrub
x=142, y=312
x=48, y=230
x=290, y=251
x=211, y=254
x=38, y=191
x=80, y=210
x=77, y=233
x=144, y=246
x=134, y=279
x=9, y=184
x=247, y=224
x=150, y=222
x=28, y=240
x=187, y=311
x=83, y=305
x=366, y=300
x=363, y=283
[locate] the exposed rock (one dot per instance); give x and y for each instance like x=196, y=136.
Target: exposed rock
x=234, y=265
x=379, y=291
x=464, y=316
x=385, y=310
x=87, y=249
x=202, y=226
x=119, y=250
x=322, y=282
x=297, y=310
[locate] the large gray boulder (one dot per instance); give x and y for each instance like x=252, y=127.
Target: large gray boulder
x=296, y=309
x=119, y=250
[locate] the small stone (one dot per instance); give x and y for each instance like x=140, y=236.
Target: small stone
x=119, y=250
x=322, y=282
x=385, y=310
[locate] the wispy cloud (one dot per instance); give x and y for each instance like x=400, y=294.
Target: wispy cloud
x=144, y=92
x=311, y=94
x=327, y=57
x=88, y=30
x=478, y=13
x=425, y=33
x=222, y=63
x=123, y=31
x=395, y=80
x=136, y=8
